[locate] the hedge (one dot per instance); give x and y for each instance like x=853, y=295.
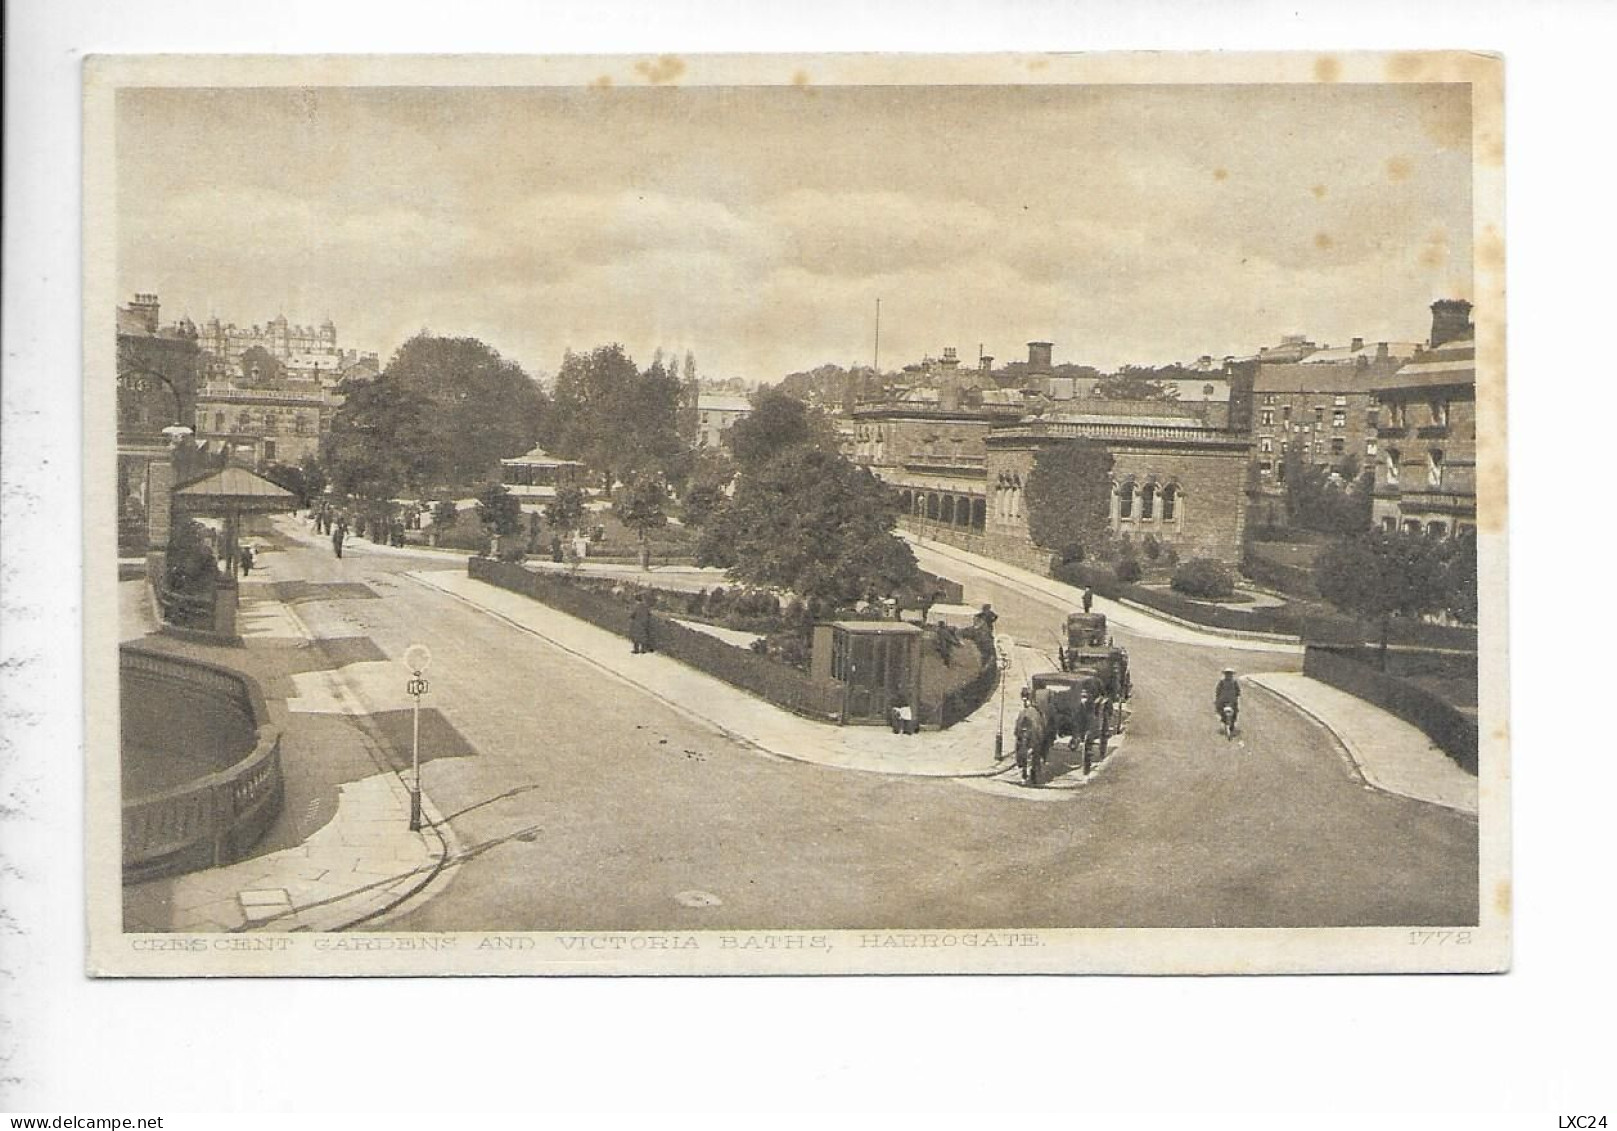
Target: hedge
x=1277, y=620
x=779, y=684
x=1276, y=575
x=1454, y=731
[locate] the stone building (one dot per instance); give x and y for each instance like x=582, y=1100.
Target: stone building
x=960, y=452
x=1426, y=476
x=716, y=413
x=271, y=391
x=158, y=379
x=1322, y=406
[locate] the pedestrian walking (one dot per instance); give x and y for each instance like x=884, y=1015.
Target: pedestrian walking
x=1089, y=597
x=640, y=626
x=337, y=535
x=246, y=559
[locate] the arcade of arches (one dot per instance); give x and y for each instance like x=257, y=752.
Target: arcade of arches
x=968, y=512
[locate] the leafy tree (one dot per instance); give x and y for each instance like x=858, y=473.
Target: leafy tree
x=566, y=510
x=1069, y=497
x=642, y=506
x=711, y=473
x=260, y=367
x=1138, y=383
x=314, y=478
x=814, y=524
x=1382, y=574
x=499, y=510
x=1330, y=500
x=613, y=417
x=778, y=421
x=442, y=414
x=445, y=514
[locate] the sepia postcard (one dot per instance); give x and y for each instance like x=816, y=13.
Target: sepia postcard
x=795, y=514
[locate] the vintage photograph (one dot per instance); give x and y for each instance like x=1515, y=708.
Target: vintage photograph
x=816, y=515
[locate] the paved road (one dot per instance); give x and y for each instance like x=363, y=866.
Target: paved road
x=583, y=804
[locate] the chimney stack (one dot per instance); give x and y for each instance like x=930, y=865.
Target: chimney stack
x=1381, y=351
x=1038, y=358
x=1451, y=320
x=1358, y=344
x=145, y=307
x=986, y=364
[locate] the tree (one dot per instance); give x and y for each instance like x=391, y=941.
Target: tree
x=1139, y=383
x=566, y=510
x=499, y=510
x=711, y=473
x=1381, y=575
x=778, y=421
x=642, y=506
x=260, y=367
x=1330, y=500
x=1069, y=497
x=614, y=418
x=814, y=524
x=442, y=415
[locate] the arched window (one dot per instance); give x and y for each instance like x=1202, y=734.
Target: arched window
x=1125, y=501
x=962, y=511
x=907, y=501
x=1392, y=465
x=979, y=513
x=1434, y=468
x=1148, y=501
x=948, y=509
x=931, y=506
x=1170, y=499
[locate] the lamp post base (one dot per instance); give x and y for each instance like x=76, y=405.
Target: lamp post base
x=415, y=810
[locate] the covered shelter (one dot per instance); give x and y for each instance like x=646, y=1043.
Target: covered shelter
x=538, y=474
x=877, y=664
x=229, y=494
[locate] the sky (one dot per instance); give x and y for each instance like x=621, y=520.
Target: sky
x=757, y=226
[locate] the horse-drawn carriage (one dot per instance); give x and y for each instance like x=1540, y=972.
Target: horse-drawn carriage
x=1088, y=647
x=1067, y=704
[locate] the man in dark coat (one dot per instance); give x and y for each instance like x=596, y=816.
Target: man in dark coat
x=1089, y=597
x=640, y=626
x=338, y=533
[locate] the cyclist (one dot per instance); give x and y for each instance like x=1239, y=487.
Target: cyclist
x=1228, y=694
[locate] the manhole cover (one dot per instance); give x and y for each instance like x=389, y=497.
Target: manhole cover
x=697, y=899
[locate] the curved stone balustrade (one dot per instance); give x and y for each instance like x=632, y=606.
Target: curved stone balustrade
x=215, y=818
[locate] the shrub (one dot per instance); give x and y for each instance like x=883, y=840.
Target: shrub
x=445, y=514
x=1206, y=578
x=1129, y=570
x=1152, y=548
x=1170, y=556
x=512, y=549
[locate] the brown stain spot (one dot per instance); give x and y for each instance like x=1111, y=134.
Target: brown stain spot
x=1319, y=192
x=601, y=82
x=1221, y=174
x=1327, y=69
x=800, y=78
x=1038, y=64
x=1434, y=251
x=1323, y=241
x=1406, y=66
x=1399, y=168
x=1491, y=250
x=663, y=69
x=1502, y=898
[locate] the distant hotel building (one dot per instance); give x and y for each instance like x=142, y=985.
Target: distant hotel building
x=1426, y=478
x=272, y=391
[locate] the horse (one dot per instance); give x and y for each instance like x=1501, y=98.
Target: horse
x=1035, y=729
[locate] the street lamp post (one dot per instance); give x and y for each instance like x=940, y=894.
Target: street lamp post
x=417, y=658
x=1003, y=659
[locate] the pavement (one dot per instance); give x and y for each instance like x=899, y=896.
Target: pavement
x=963, y=750
x=341, y=852
x=1390, y=754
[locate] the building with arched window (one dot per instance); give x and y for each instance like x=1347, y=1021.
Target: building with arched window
x=1426, y=481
